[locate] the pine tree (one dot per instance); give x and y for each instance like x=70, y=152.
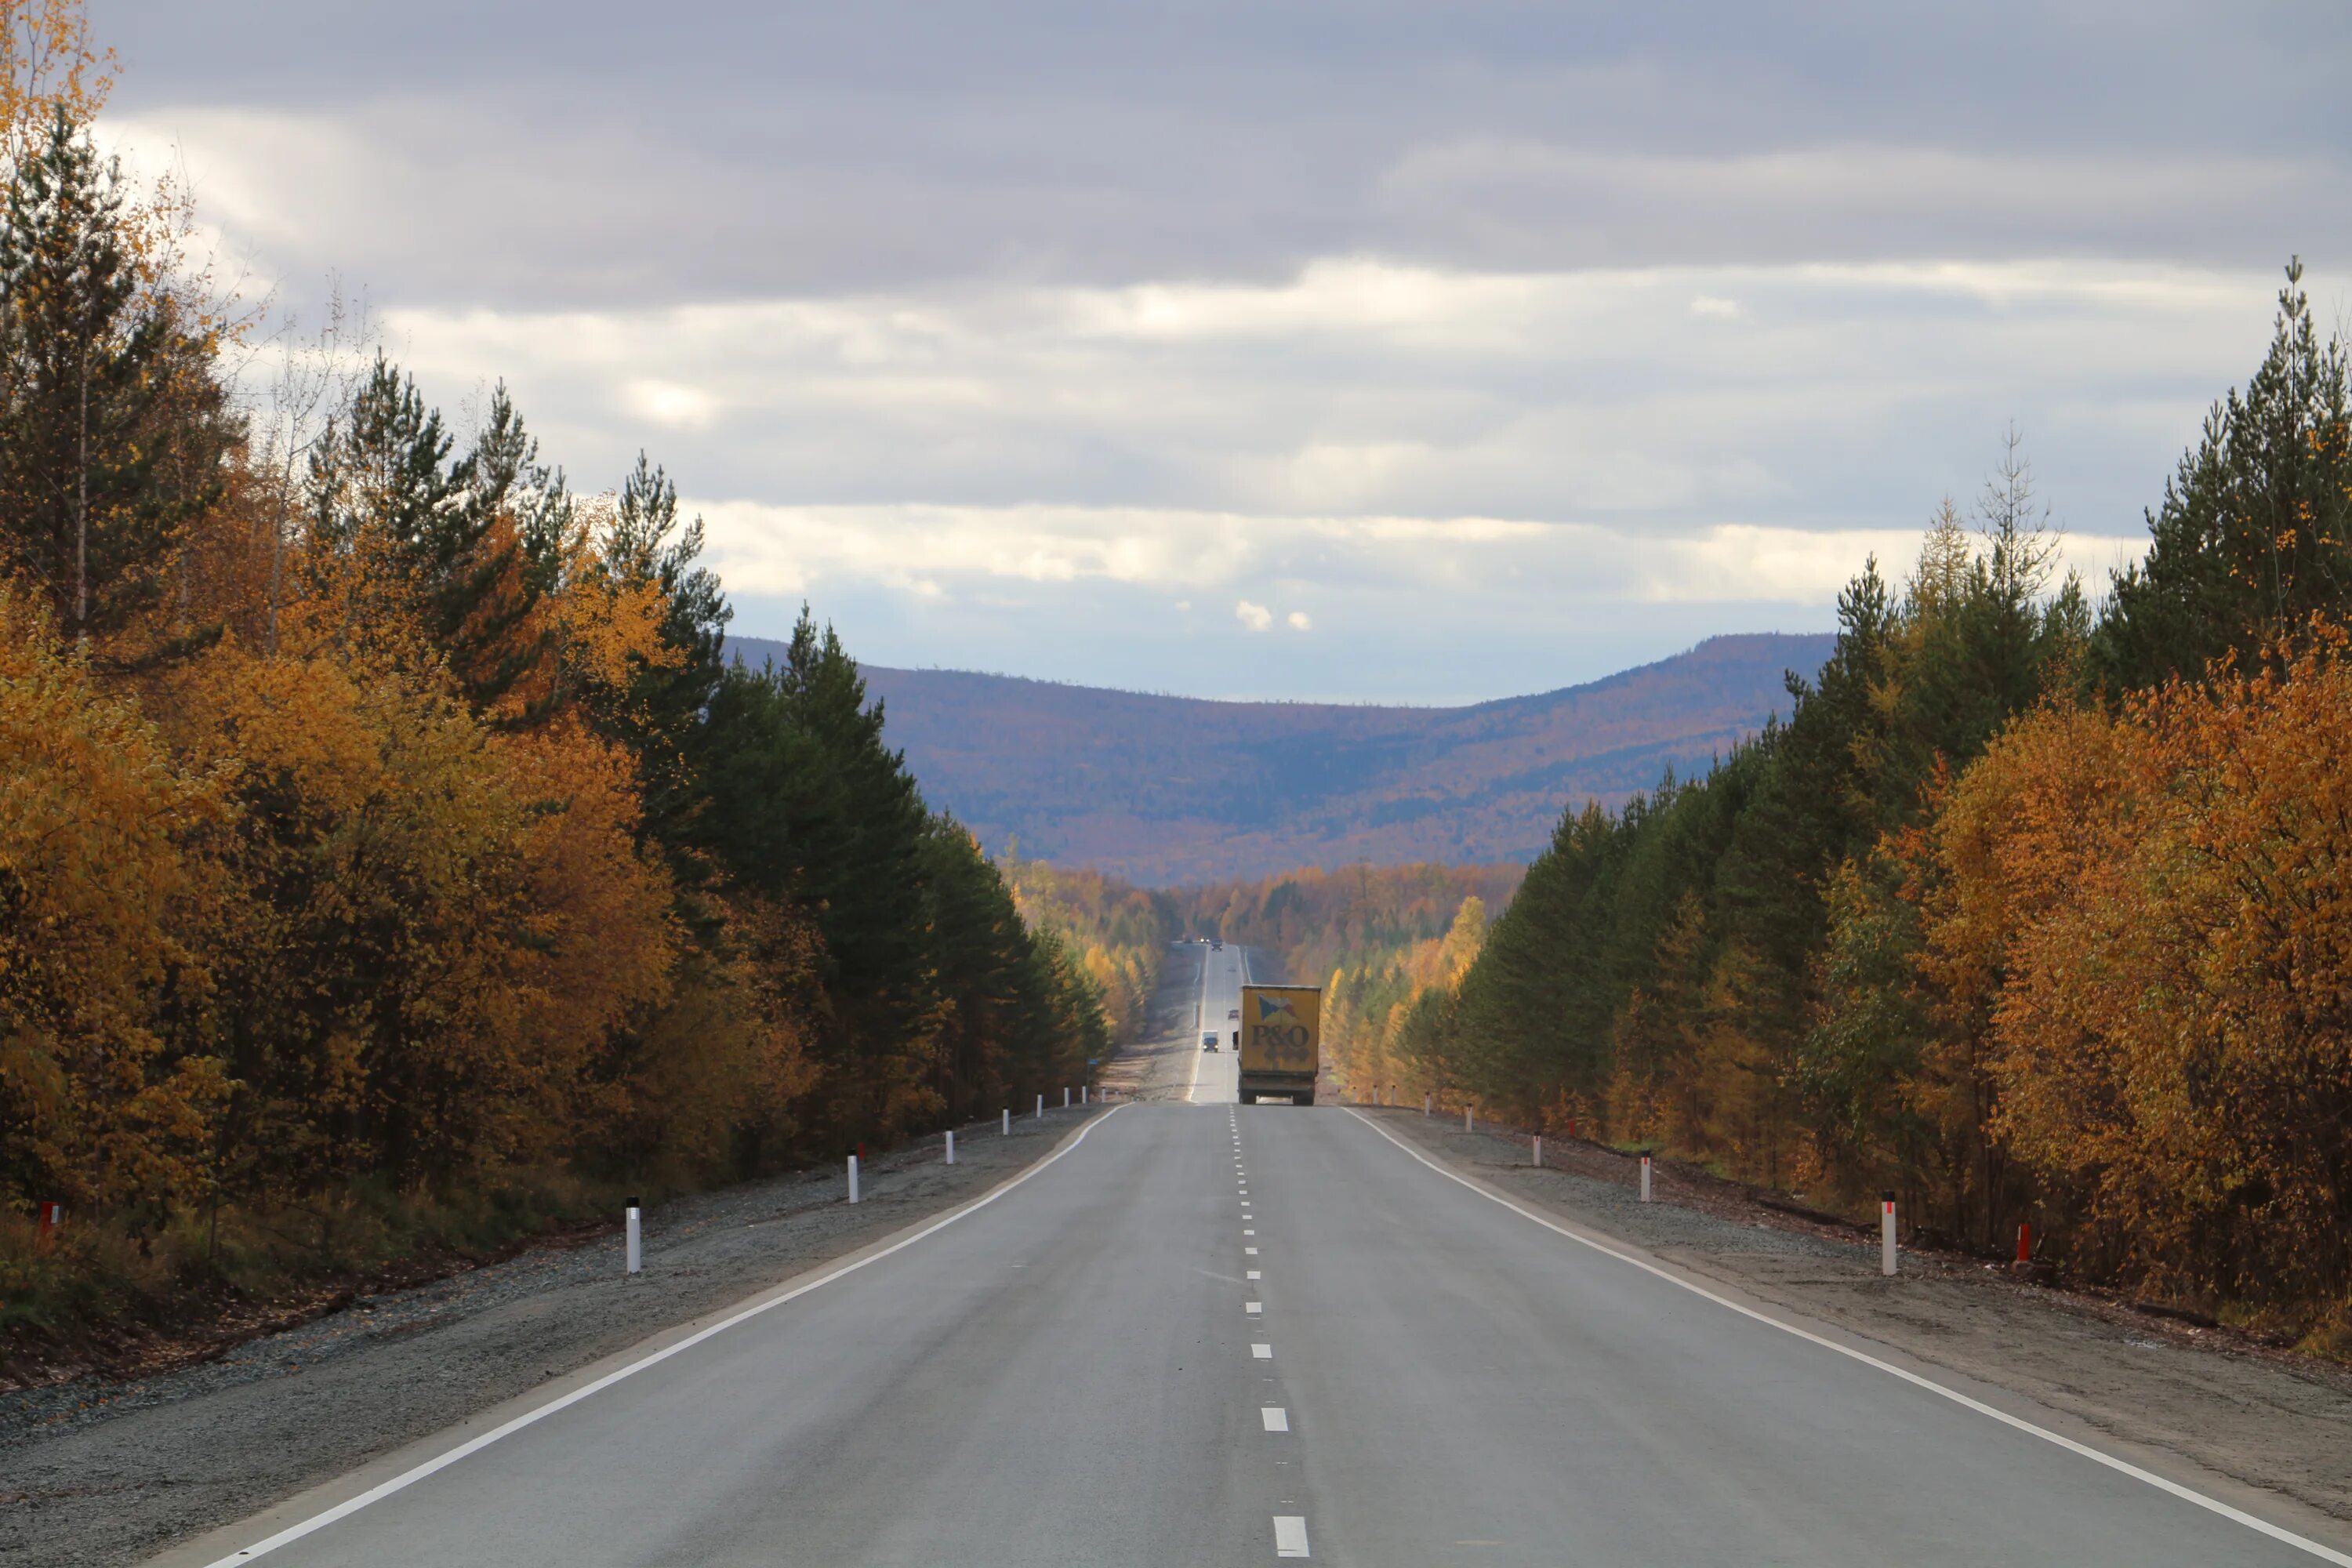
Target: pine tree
x=465, y=547
x=802, y=801
x=2255, y=533
x=498, y=554
x=86, y=363
x=661, y=714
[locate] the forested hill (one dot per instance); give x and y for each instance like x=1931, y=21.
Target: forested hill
x=1166, y=790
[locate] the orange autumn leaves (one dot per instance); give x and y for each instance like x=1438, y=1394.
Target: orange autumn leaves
x=2158, y=907
x=313, y=917
x=458, y=916
x=94, y=813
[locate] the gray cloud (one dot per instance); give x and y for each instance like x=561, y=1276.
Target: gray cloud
x=1005, y=328
x=581, y=151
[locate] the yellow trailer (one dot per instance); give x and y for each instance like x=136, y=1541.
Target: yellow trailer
x=1282, y=1041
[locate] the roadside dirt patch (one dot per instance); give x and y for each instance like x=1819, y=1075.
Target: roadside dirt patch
x=104, y=1471
x=2222, y=1400
x=1160, y=1066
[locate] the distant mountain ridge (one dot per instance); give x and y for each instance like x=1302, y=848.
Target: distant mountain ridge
x=1170, y=790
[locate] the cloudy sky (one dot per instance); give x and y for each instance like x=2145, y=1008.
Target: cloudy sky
x=1379, y=352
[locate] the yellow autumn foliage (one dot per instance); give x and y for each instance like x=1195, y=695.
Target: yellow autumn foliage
x=2158, y=907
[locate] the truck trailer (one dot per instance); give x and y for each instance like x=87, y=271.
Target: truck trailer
x=1281, y=1042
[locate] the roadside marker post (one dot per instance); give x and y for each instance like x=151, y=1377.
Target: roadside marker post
x=636, y=1247
x=1041, y=1107
x=1645, y=1175
x=853, y=1178
x=1008, y=1125
x=1465, y=1119
x=1887, y=1232
x=1066, y=1098
x=1539, y=1150
x=1086, y=1093
x=951, y=1145
x=1425, y=1104
x=2025, y=1241
x=53, y=1214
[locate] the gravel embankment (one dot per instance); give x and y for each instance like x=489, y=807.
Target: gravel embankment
x=95, y=1472
x=2272, y=1421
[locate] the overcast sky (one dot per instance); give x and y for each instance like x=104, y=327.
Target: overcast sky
x=1378, y=351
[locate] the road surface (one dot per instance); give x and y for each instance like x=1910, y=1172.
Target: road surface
x=1218, y=1334
x=1218, y=1073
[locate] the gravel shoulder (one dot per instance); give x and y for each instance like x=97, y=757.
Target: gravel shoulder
x=2273, y=1422
x=96, y=1472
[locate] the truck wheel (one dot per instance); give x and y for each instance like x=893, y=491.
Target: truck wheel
x=1306, y=1099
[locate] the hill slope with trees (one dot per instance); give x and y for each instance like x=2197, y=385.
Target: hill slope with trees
x=1168, y=790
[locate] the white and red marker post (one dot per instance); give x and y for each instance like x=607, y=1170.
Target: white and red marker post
x=1645, y=1175
x=637, y=1240
x=1887, y=1232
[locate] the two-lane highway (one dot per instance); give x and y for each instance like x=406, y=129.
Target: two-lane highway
x=1227, y=1334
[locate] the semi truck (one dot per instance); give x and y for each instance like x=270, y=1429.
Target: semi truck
x=1281, y=1042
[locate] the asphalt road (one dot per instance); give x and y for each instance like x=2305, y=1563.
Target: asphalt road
x=1226, y=1334
x=1218, y=1073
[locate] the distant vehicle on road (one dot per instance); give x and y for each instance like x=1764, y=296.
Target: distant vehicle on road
x=1281, y=1040
x=1215, y=946
x=1208, y=1039
x=1232, y=1011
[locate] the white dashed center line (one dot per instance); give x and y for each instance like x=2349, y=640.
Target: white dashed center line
x=1263, y=1352
x=1252, y=1274
x=1253, y=1308
x=1251, y=1250
x=1277, y=1418
x=1289, y=1535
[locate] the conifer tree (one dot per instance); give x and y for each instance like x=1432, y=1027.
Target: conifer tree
x=499, y=553
x=465, y=547
x=85, y=362
x=2255, y=533
x=661, y=713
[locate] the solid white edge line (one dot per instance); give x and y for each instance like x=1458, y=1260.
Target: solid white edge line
x=2124, y=1467
x=409, y=1478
